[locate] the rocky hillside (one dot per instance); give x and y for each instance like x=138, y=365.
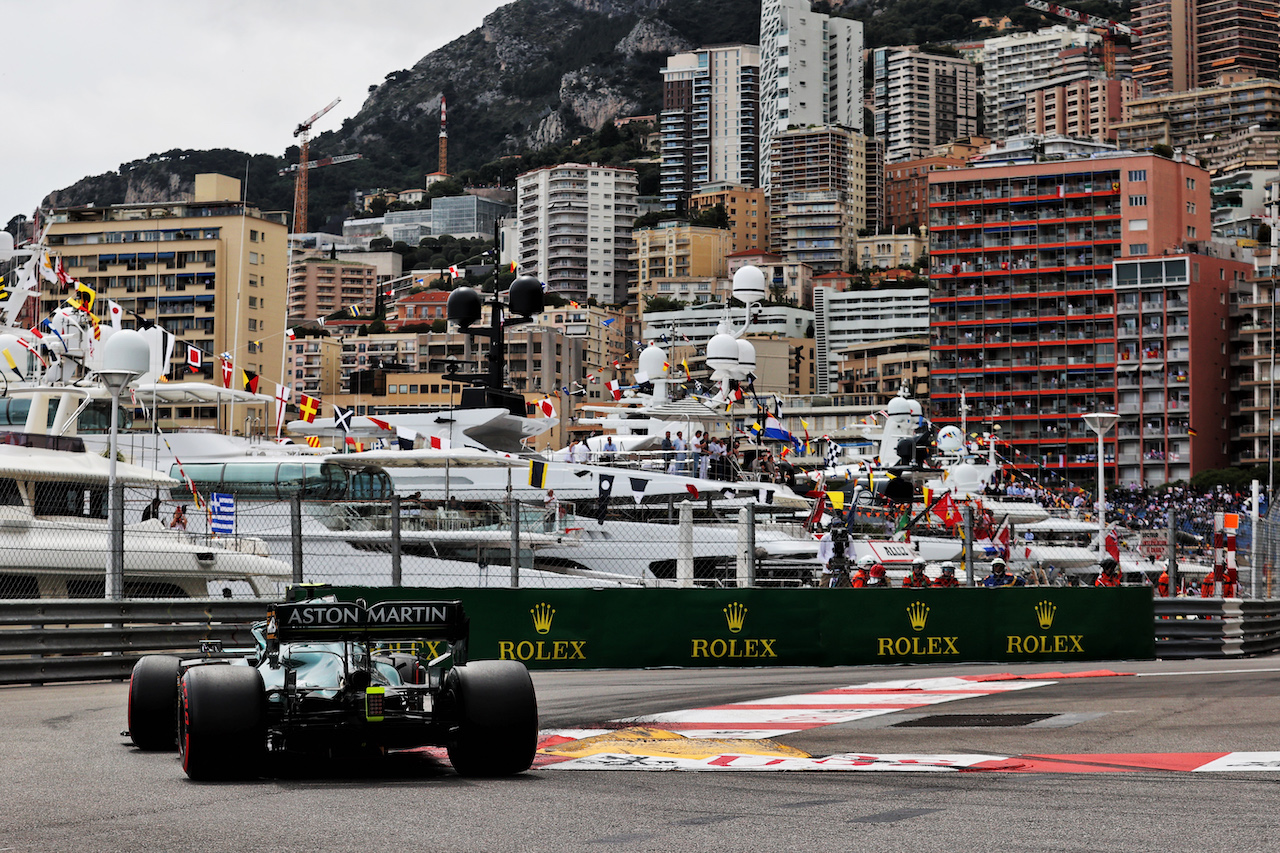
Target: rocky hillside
x=536, y=73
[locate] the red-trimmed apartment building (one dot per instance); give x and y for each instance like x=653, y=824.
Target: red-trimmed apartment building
x=1066, y=287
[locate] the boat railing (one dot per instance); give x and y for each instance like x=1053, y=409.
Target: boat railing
x=685, y=463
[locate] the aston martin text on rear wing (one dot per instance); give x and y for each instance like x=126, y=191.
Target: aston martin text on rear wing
x=339, y=620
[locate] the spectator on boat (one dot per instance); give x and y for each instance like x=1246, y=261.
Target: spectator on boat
x=551, y=512
x=581, y=453
x=947, y=576
x=697, y=445
x=715, y=457
x=1000, y=576
x=609, y=451
x=568, y=453
x=680, y=449
x=667, y=447
x=179, y=521
x=917, y=579
x=152, y=510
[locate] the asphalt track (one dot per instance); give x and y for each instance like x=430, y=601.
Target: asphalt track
x=70, y=782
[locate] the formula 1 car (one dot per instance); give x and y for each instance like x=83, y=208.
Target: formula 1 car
x=338, y=679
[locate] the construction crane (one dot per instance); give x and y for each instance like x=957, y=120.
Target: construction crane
x=1111, y=30
x=323, y=161
x=300, y=187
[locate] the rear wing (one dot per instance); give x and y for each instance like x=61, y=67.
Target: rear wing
x=323, y=621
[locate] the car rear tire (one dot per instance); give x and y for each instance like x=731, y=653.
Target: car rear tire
x=495, y=711
x=153, y=702
x=222, y=722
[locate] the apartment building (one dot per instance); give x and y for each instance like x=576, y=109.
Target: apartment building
x=845, y=318
x=1015, y=63
x=1188, y=44
x=906, y=189
x=710, y=121
x=874, y=372
x=575, y=229
x=1086, y=106
x=319, y=287
x=748, y=210
x=811, y=72
x=889, y=251
x=1186, y=119
x=676, y=249
x=313, y=364
x=211, y=271
x=1024, y=302
x=922, y=100
x=817, y=201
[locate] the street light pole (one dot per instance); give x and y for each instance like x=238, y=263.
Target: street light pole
x=125, y=356
x=1101, y=423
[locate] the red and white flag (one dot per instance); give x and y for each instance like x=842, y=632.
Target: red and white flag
x=282, y=400
x=289, y=333
x=1113, y=545
x=438, y=443
x=195, y=358
x=548, y=408
x=454, y=272
x=615, y=389
x=227, y=370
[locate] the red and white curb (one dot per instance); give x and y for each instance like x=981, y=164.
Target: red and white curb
x=702, y=739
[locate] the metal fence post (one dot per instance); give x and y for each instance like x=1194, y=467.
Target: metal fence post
x=684, y=546
x=295, y=535
x=1172, y=564
x=395, y=540
x=968, y=546
x=514, y=504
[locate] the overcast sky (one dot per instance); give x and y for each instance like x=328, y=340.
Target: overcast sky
x=86, y=85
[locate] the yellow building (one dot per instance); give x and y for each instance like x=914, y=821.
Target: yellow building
x=748, y=210
x=211, y=270
x=676, y=249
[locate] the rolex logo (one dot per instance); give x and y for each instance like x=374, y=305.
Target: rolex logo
x=542, y=615
x=1044, y=613
x=735, y=614
x=917, y=613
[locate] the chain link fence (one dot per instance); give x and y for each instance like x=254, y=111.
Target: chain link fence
x=54, y=543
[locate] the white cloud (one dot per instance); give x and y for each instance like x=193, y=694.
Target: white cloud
x=89, y=84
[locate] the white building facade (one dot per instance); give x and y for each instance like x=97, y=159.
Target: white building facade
x=810, y=72
x=575, y=229
x=846, y=318
x=1013, y=64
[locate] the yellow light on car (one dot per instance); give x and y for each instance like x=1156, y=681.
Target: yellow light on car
x=375, y=702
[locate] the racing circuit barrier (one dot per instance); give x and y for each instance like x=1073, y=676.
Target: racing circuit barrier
x=1215, y=627
x=92, y=639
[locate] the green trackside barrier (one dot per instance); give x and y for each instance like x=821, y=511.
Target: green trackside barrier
x=631, y=628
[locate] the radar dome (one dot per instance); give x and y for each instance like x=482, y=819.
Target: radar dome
x=748, y=284
x=651, y=361
x=950, y=439
x=722, y=353
x=746, y=358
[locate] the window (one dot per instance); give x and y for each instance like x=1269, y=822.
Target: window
x=1191, y=207
x=1137, y=174
x=1191, y=183
x=1138, y=249
x=1137, y=225
x=1137, y=201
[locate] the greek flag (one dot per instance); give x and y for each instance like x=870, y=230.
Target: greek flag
x=224, y=513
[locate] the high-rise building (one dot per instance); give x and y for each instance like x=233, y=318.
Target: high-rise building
x=817, y=201
x=211, y=271
x=1015, y=63
x=922, y=100
x=709, y=121
x=575, y=229
x=810, y=72
x=1189, y=44
x=1028, y=323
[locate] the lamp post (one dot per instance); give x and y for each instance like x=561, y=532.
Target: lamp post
x=1101, y=423
x=126, y=356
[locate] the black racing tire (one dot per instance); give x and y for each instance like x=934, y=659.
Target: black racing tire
x=222, y=722
x=153, y=702
x=494, y=708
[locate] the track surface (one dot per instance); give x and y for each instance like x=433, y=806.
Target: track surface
x=69, y=781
